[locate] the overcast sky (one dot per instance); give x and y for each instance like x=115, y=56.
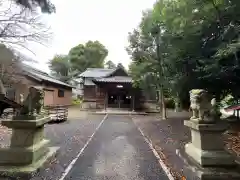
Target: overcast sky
x=77, y=21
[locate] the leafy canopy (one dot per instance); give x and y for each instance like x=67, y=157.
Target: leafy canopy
x=90, y=55
x=83, y=56
x=110, y=65
x=199, y=47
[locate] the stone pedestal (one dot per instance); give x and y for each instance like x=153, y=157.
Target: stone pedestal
x=28, y=149
x=205, y=157
x=207, y=146
x=194, y=171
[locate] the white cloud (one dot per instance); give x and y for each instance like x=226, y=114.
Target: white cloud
x=77, y=21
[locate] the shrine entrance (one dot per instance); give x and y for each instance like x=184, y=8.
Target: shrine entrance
x=116, y=92
x=119, y=100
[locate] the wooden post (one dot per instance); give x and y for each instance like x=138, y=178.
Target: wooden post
x=133, y=102
x=106, y=100
x=119, y=101
x=96, y=96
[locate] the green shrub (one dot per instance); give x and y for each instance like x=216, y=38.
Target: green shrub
x=227, y=101
x=76, y=101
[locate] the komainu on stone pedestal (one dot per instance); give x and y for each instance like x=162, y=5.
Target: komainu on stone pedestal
x=32, y=105
x=203, y=108
x=28, y=149
x=205, y=156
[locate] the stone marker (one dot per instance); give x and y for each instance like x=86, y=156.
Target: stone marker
x=28, y=149
x=205, y=157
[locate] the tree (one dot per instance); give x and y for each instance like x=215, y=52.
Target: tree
x=120, y=65
x=81, y=57
x=90, y=55
x=11, y=69
x=199, y=47
x=20, y=26
x=45, y=5
x=60, y=67
x=10, y=66
x=110, y=65
x=147, y=58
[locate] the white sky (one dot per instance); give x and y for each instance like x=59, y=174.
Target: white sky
x=77, y=21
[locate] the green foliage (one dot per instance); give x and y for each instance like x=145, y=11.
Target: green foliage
x=90, y=55
x=76, y=101
x=60, y=67
x=79, y=58
x=228, y=101
x=184, y=45
x=110, y=65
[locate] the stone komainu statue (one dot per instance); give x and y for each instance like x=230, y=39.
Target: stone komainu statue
x=203, y=108
x=33, y=104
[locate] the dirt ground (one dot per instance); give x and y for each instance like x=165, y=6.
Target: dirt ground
x=169, y=135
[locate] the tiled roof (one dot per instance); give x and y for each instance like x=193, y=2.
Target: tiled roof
x=42, y=76
x=115, y=79
x=97, y=72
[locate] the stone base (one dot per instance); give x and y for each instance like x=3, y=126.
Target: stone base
x=25, y=123
x=193, y=170
x=27, y=117
x=23, y=156
x=207, y=146
x=28, y=148
x=8, y=170
x=210, y=158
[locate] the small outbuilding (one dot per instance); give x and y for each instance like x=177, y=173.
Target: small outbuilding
x=55, y=92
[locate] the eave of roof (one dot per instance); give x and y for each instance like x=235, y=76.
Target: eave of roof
x=42, y=76
x=99, y=72
x=114, y=79
x=96, y=72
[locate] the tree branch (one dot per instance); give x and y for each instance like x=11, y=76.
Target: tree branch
x=20, y=26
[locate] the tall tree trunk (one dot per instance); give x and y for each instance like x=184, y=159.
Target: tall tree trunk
x=164, y=112
x=160, y=63
x=160, y=101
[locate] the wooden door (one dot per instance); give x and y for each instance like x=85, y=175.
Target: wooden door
x=48, y=97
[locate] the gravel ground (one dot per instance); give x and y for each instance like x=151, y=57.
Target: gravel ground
x=166, y=136
x=117, y=152
x=171, y=134
x=76, y=113
x=70, y=136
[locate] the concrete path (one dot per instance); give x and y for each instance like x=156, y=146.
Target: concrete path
x=117, y=151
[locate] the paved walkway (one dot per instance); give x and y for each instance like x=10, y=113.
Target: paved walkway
x=117, y=152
